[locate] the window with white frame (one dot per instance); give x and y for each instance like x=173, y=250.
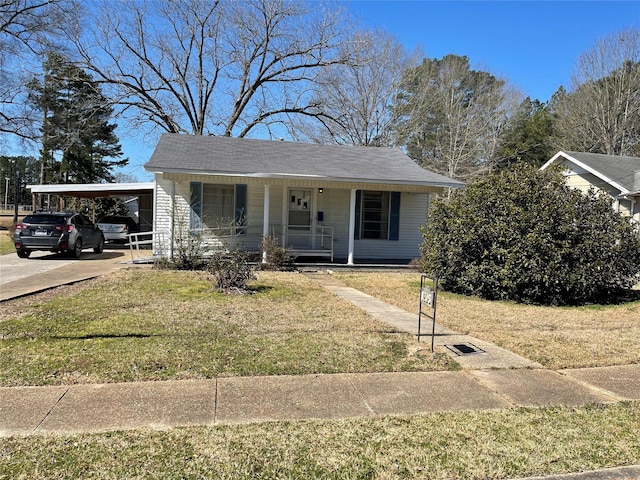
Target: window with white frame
x=217, y=206
x=375, y=215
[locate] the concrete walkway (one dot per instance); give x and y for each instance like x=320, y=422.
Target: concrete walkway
x=491, y=379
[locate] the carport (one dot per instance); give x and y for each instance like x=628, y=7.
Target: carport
x=144, y=191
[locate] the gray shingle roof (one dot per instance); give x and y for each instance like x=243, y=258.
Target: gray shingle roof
x=223, y=155
x=624, y=171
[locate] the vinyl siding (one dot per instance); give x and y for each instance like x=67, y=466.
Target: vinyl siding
x=333, y=202
x=413, y=214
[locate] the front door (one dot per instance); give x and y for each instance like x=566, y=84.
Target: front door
x=299, y=223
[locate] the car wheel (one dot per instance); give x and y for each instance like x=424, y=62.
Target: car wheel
x=77, y=248
x=23, y=253
x=100, y=246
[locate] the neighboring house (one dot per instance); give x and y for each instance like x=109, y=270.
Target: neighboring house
x=342, y=203
x=617, y=176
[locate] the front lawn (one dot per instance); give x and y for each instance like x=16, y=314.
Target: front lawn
x=556, y=337
x=144, y=324
x=461, y=445
x=6, y=243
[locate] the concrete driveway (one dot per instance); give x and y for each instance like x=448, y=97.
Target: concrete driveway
x=44, y=270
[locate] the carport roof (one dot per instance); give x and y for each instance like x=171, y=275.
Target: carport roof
x=94, y=190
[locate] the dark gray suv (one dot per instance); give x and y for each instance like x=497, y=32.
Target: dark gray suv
x=57, y=232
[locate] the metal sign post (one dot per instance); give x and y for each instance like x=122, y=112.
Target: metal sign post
x=429, y=298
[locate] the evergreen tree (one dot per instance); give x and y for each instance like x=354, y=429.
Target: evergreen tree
x=528, y=136
x=451, y=116
x=79, y=145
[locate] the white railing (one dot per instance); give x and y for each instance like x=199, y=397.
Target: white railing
x=304, y=240
x=226, y=238
x=154, y=242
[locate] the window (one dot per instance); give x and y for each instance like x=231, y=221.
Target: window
x=375, y=215
x=218, y=206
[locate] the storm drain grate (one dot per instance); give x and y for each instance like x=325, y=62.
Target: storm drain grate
x=464, y=348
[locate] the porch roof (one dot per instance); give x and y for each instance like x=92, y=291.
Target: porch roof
x=209, y=155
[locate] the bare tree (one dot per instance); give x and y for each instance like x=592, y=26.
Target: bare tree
x=352, y=100
x=452, y=116
x=211, y=66
x=27, y=28
x=602, y=111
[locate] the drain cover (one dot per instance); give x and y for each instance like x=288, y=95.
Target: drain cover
x=464, y=348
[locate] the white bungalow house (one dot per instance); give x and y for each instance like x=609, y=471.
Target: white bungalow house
x=342, y=203
x=617, y=176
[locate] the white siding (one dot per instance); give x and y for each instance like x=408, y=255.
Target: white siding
x=333, y=203
x=413, y=214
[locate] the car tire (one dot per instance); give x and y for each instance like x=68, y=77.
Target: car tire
x=77, y=249
x=23, y=253
x=100, y=246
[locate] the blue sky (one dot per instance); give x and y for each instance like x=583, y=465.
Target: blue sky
x=533, y=44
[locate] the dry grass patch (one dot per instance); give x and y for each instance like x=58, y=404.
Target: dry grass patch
x=144, y=324
x=6, y=243
x=456, y=445
x=557, y=337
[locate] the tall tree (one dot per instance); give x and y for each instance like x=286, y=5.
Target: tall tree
x=79, y=144
x=352, y=100
x=451, y=116
x=528, y=136
x=601, y=113
x=27, y=27
x=212, y=66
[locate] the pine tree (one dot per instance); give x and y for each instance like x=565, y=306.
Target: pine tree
x=79, y=145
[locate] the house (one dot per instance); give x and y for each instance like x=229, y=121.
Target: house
x=617, y=176
x=344, y=203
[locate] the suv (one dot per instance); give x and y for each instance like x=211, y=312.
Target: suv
x=57, y=232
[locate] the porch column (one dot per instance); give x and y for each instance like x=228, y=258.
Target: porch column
x=285, y=219
x=265, y=220
x=352, y=225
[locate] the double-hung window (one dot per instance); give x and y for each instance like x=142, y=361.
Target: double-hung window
x=218, y=206
x=377, y=215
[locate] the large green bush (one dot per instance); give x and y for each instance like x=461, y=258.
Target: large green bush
x=524, y=235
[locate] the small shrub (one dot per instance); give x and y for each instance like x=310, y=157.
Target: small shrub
x=231, y=271
x=277, y=256
x=188, y=252
x=524, y=235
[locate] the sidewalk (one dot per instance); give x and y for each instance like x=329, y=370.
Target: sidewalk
x=494, y=379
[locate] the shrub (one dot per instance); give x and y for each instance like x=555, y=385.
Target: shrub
x=231, y=271
x=277, y=256
x=524, y=235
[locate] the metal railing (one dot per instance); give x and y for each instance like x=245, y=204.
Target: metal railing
x=305, y=240
x=155, y=242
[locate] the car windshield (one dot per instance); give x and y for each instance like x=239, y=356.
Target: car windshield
x=48, y=219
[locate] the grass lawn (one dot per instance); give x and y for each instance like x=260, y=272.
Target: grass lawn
x=6, y=242
x=464, y=445
x=145, y=324
x=556, y=337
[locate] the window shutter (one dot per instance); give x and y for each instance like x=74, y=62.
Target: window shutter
x=195, y=202
x=356, y=235
x=241, y=206
x=394, y=216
